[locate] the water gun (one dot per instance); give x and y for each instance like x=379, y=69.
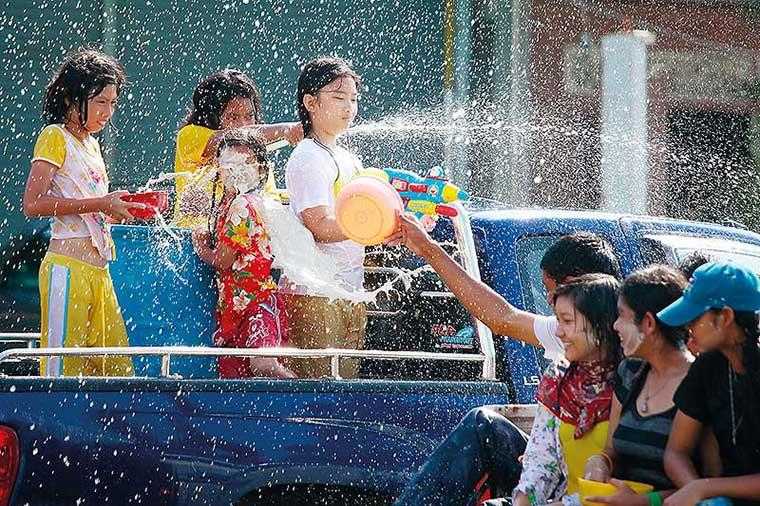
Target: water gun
x=424, y=195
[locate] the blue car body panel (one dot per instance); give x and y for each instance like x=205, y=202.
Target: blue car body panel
x=211, y=441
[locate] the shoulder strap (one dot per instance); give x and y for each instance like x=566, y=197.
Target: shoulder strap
x=635, y=385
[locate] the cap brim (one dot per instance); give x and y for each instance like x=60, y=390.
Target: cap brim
x=680, y=313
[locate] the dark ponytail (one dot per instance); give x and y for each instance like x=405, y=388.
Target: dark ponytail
x=316, y=75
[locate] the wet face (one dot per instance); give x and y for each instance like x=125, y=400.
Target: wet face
x=628, y=330
x=240, y=169
x=334, y=107
x=100, y=109
x=237, y=113
x=572, y=331
x=707, y=331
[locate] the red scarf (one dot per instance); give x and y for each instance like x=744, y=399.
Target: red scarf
x=580, y=394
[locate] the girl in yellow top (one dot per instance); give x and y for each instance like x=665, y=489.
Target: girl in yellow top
x=68, y=182
x=574, y=399
x=223, y=101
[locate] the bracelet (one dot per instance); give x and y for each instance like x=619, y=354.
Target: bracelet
x=655, y=499
x=606, y=458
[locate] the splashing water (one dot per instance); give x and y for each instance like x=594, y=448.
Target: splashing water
x=296, y=253
x=293, y=246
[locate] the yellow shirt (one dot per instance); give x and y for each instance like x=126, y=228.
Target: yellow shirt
x=191, y=143
x=577, y=451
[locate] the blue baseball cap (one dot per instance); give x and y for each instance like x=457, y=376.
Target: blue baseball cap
x=714, y=285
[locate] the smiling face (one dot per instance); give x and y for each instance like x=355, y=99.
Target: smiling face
x=572, y=331
x=631, y=337
x=334, y=106
x=100, y=109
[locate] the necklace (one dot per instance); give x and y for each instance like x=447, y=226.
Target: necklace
x=648, y=395
x=734, y=425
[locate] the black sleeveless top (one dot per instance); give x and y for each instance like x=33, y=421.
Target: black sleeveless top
x=639, y=441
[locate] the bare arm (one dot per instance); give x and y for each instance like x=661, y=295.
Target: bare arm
x=293, y=132
x=220, y=258
x=684, y=437
x=39, y=203
x=270, y=367
x=322, y=224
x=480, y=300
x=600, y=467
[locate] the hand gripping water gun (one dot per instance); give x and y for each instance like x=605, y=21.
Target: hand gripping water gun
x=423, y=195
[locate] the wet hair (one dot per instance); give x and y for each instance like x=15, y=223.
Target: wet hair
x=578, y=254
x=651, y=289
x=233, y=138
x=694, y=261
x=595, y=297
x=214, y=92
x=82, y=76
x=316, y=75
x=247, y=138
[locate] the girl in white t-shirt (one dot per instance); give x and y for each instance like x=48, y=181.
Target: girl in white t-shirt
x=317, y=169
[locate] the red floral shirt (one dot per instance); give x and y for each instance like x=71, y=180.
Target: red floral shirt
x=248, y=282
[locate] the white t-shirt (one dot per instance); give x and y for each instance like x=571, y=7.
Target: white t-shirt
x=545, y=328
x=311, y=176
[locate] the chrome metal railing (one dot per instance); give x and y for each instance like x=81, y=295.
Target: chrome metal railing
x=166, y=353
x=466, y=245
x=30, y=339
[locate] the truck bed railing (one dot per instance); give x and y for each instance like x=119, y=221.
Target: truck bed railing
x=29, y=339
x=166, y=353
x=466, y=246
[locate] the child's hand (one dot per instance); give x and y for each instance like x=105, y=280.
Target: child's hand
x=294, y=133
x=117, y=209
x=200, y=239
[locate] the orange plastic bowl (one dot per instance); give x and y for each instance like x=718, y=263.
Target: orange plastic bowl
x=590, y=488
x=157, y=200
x=366, y=210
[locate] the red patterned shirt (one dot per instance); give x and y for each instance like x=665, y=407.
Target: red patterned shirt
x=248, y=282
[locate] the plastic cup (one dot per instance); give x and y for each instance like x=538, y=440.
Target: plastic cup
x=589, y=488
x=157, y=201
x=366, y=210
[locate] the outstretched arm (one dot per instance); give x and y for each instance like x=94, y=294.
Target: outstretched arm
x=480, y=300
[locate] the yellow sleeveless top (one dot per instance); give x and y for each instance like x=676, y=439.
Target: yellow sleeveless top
x=577, y=451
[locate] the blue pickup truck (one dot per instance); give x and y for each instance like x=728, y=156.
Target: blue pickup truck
x=175, y=435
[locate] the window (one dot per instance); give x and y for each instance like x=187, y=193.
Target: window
x=674, y=248
x=530, y=251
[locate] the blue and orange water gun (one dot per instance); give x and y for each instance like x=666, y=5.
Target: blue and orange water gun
x=426, y=195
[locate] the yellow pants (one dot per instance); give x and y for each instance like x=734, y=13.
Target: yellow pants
x=315, y=322
x=79, y=309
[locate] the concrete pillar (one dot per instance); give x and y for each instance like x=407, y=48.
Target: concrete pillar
x=624, y=131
